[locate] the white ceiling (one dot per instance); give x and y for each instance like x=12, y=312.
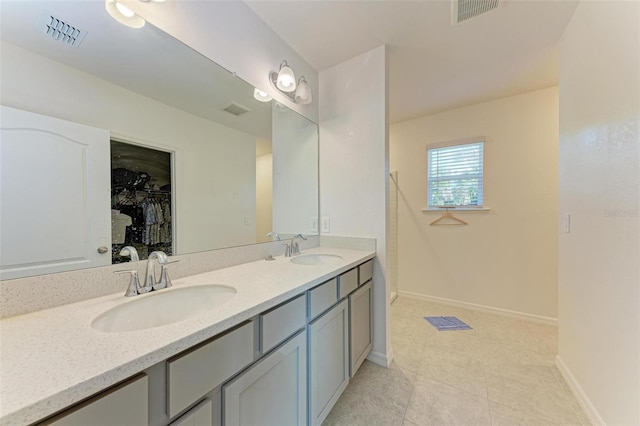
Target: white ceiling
x=434, y=66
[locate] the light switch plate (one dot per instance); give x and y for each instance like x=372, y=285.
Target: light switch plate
x=326, y=225
x=566, y=222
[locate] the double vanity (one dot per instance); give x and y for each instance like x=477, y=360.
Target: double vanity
x=265, y=342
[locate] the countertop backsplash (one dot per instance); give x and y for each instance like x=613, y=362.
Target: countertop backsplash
x=25, y=295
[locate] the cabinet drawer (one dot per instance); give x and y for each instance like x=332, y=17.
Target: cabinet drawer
x=348, y=282
x=366, y=271
x=281, y=322
x=323, y=297
x=125, y=404
x=191, y=375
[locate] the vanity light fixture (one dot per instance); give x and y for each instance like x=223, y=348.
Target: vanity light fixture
x=261, y=96
x=123, y=14
x=303, y=92
x=285, y=81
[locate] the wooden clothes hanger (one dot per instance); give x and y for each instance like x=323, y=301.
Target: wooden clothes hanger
x=448, y=215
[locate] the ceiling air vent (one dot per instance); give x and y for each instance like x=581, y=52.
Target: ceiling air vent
x=61, y=31
x=464, y=10
x=236, y=109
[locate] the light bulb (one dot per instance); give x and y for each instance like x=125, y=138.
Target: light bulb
x=124, y=10
x=260, y=95
x=303, y=93
x=123, y=14
x=286, y=80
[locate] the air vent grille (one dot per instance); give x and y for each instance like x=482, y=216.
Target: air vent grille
x=236, y=109
x=62, y=31
x=464, y=10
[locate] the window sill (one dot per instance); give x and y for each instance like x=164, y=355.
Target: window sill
x=456, y=210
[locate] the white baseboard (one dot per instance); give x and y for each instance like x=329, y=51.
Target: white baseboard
x=583, y=400
x=380, y=358
x=499, y=311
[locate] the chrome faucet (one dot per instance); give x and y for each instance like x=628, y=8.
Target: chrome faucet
x=295, y=248
x=273, y=236
x=150, y=283
x=150, y=277
x=131, y=252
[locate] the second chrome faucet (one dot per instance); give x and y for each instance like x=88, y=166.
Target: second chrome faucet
x=149, y=283
x=293, y=248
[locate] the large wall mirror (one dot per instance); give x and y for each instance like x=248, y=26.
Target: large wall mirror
x=233, y=168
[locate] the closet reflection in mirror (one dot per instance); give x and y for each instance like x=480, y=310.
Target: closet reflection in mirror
x=141, y=213
x=241, y=168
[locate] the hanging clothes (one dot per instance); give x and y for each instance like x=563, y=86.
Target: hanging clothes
x=119, y=223
x=165, y=229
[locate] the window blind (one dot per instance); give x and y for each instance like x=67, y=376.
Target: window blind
x=455, y=175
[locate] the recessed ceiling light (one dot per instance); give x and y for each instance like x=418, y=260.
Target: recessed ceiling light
x=123, y=14
x=261, y=96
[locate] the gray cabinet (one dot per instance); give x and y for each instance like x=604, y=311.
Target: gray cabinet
x=360, y=341
x=285, y=366
x=281, y=322
x=197, y=372
x=200, y=415
x=323, y=297
x=271, y=392
x=348, y=282
x=365, y=271
x=328, y=361
x=125, y=404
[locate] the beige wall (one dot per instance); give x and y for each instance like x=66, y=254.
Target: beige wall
x=599, y=270
x=506, y=258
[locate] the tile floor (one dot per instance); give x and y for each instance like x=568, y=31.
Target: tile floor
x=500, y=373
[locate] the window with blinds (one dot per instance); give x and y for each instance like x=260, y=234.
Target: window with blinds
x=455, y=175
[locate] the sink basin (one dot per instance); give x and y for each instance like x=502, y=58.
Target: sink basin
x=315, y=259
x=162, y=308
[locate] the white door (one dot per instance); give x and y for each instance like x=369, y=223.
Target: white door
x=55, y=195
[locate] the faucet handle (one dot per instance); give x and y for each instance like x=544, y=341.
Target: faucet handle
x=134, y=283
x=164, y=281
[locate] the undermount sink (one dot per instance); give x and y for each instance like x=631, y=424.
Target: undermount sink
x=315, y=259
x=162, y=308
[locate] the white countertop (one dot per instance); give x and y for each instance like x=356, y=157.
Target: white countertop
x=51, y=359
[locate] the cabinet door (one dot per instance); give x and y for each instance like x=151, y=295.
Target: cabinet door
x=328, y=361
x=67, y=181
x=273, y=391
x=360, y=323
x=125, y=405
x=200, y=415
